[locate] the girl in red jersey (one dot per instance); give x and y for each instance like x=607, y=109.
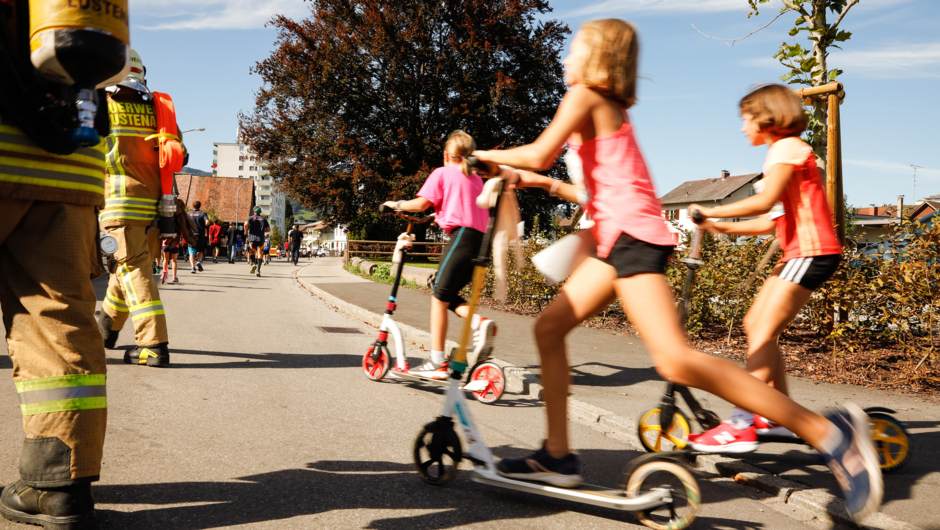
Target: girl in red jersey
x=774, y=115
x=629, y=264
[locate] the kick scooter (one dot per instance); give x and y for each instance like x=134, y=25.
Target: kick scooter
x=892, y=442
x=657, y=487
x=486, y=379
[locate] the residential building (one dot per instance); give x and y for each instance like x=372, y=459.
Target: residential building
x=326, y=235
x=237, y=160
x=724, y=189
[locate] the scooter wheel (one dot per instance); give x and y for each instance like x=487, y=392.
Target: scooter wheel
x=495, y=382
x=376, y=368
x=666, y=474
x=657, y=440
x=892, y=443
x=437, y=452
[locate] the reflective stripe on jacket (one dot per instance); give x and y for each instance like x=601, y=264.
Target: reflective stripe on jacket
x=29, y=172
x=133, y=185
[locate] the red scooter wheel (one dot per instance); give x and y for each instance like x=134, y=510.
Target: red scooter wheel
x=376, y=368
x=495, y=382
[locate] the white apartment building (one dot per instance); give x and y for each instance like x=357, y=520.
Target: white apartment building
x=238, y=160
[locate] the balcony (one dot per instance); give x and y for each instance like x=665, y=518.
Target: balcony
x=215, y=152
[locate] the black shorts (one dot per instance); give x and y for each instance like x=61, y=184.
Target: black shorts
x=255, y=245
x=173, y=250
x=630, y=256
x=456, y=269
x=810, y=272
x=201, y=244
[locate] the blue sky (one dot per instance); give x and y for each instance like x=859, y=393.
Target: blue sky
x=200, y=52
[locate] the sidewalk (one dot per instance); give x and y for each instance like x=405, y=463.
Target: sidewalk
x=613, y=373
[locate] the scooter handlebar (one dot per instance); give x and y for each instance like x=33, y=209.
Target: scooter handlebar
x=383, y=209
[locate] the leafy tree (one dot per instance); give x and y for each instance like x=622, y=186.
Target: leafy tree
x=357, y=99
x=809, y=65
x=276, y=237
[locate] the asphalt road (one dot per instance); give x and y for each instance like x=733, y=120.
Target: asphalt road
x=263, y=420
x=614, y=372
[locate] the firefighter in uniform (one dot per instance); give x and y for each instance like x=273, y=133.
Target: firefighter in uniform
x=132, y=192
x=48, y=256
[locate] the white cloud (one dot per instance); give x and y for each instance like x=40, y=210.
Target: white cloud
x=625, y=7
x=892, y=61
x=895, y=61
x=211, y=14
x=894, y=168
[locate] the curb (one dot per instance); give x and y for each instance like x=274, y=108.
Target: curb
x=820, y=502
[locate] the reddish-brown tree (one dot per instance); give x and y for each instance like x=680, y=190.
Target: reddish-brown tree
x=358, y=99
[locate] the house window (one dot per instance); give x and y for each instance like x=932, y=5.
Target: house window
x=253, y=168
x=672, y=215
x=241, y=158
x=241, y=168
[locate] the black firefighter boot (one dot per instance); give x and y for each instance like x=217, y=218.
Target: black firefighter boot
x=156, y=355
x=68, y=508
x=109, y=335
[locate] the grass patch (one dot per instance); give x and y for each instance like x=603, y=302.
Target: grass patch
x=383, y=274
x=423, y=264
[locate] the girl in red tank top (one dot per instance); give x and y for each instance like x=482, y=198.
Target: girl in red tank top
x=773, y=115
x=629, y=261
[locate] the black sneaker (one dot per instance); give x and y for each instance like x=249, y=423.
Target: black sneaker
x=157, y=355
x=854, y=462
x=199, y=266
x=109, y=335
x=69, y=508
x=563, y=472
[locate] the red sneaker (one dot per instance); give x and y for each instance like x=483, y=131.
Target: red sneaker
x=725, y=438
x=763, y=426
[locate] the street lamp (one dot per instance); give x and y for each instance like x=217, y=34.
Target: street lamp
x=237, y=196
x=191, y=130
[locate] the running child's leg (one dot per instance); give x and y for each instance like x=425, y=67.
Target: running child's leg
x=775, y=306
x=587, y=291
x=842, y=436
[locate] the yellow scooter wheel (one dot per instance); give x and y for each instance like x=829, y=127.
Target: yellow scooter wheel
x=655, y=439
x=892, y=443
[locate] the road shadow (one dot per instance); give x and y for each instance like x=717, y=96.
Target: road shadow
x=618, y=375
x=336, y=485
x=257, y=360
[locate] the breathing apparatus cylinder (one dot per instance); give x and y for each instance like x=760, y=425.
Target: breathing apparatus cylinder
x=82, y=43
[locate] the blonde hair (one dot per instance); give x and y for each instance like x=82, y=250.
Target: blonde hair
x=776, y=110
x=610, y=65
x=458, y=147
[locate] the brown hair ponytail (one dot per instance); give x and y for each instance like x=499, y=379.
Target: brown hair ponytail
x=459, y=145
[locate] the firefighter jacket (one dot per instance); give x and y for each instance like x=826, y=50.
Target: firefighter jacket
x=133, y=186
x=31, y=173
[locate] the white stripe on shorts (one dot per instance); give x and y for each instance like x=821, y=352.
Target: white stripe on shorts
x=798, y=277
x=785, y=273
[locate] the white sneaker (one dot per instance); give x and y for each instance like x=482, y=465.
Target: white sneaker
x=432, y=371
x=483, y=338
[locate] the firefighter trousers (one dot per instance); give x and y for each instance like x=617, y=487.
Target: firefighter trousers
x=132, y=290
x=48, y=253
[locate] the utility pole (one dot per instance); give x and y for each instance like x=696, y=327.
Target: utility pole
x=914, y=197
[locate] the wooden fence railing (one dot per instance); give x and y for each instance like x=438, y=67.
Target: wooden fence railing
x=371, y=249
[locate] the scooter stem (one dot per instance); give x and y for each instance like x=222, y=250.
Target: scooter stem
x=458, y=361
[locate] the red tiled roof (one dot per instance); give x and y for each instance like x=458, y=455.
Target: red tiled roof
x=218, y=193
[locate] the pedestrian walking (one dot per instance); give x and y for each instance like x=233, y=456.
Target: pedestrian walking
x=266, y=251
x=232, y=241
x=215, y=239
x=632, y=247
x=256, y=227
x=197, y=252
x=133, y=188
x=294, y=238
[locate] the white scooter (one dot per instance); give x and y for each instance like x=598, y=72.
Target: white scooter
x=486, y=380
x=657, y=487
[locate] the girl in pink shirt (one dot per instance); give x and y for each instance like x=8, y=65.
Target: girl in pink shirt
x=452, y=191
x=629, y=263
